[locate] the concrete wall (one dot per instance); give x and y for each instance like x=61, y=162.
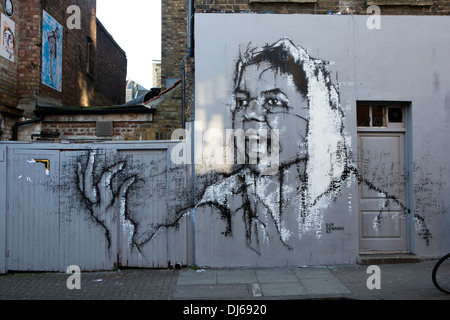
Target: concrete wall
x=240, y=219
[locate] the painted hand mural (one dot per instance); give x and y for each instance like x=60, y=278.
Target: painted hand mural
x=100, y=198
x=126, y=196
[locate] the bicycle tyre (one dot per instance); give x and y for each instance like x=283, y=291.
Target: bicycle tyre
x=441, y=274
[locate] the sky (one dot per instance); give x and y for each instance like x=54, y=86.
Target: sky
x=136, y=26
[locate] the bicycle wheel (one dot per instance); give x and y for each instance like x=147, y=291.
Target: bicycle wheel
x=441, y=274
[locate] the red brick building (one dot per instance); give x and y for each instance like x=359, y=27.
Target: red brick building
x=93, y=71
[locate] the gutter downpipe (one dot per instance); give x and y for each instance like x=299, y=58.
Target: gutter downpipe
x=23, y=123
x=189, y=54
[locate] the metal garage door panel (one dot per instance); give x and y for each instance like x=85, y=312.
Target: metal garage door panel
x=91, y=206
x=85, y=241
x=143, y=237
x=33, y=213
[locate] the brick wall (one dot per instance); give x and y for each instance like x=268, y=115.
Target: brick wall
x=29, y=48
x=127, y=127
x=158, y=125
x=174, y=31
x=78, y=88
x=104, y=84
x=111, y=67
x=22, y=80
x=8, y=69
x=9, y=78
x=156, y=66
x=168, y=115
x=420, y=7
x=6, y=124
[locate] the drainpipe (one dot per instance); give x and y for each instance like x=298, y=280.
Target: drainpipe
x=189, y=54
x=23, y=123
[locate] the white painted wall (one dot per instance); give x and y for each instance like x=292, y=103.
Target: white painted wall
x=405, y=60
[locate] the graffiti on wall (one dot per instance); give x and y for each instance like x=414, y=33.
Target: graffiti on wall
x=116, y=194
x=52, y=54
x=277, y=87
x=281, y=87
x=100, y=201
x=8, y=40
x=427, y=188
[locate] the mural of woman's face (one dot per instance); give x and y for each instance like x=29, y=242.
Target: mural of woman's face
x=9, y=8
x=9, y=40
x=268, y=99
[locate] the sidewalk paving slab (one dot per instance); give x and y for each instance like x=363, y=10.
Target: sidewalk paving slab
x=281, y=289
x=398, y=282
x=276, y=275
x=236, y=276
x=212, y=291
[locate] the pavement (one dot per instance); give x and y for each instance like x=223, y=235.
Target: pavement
x=403, y=281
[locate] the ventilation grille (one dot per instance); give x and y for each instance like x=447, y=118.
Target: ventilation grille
x=104, y=128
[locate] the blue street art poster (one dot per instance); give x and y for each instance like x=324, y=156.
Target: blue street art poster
x=52, y=40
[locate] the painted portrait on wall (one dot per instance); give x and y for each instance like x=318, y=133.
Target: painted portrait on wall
x=52, y=39
x=7, y=48
x=8, y=6
x=305, y=86
x=280, y=87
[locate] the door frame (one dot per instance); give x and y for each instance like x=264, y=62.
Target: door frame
x=406, y=128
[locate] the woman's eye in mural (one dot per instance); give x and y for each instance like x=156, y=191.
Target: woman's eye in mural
x=275, y=100
x=242, y=102
x=242, y=99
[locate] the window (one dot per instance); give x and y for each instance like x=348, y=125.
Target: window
x=378, y=116
x=395, y=115
x=387, y=115
x=371, y=116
